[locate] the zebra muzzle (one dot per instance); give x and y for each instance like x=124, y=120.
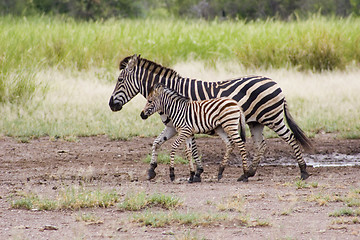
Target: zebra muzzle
x=143, y=115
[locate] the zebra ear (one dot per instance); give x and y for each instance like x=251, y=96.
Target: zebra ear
x=159, y=87
x=132, y=62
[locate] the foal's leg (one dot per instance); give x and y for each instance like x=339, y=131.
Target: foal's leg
x=182, y=136
x=165, y=135
x=234, y=136
x=229, y=147
x=189, y=158
x=199, y=167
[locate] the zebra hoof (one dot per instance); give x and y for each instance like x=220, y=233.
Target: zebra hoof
x=304, y=175
x=151, y=174
x=197, y=179
x=220, y=173
x=172, y=177
x=172, y=174
x=251, y=172
x=191, y=179
x=243, y=178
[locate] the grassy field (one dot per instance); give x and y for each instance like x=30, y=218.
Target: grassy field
x=76, y=104
x=56, y=75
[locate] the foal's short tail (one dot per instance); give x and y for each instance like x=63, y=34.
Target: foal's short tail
x=298, y=133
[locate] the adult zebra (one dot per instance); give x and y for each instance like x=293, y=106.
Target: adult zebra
x=222, y=115
x=260, y=98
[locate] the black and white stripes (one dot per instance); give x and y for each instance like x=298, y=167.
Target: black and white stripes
x=260, y=98
x=221, y=115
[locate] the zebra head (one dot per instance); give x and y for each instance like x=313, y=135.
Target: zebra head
x=126, y=86
x=153, y=103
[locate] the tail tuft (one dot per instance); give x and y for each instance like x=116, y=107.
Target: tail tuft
x=298, y=133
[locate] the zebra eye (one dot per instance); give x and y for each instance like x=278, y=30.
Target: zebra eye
x=150, y=101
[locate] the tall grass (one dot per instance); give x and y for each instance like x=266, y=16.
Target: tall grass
x=76, y=103
x=57, y=74
x=317, y=43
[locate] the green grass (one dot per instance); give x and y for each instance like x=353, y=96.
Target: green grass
x=70, y=198
x=56, y=79
x=317, y=43
x=161, y=219
x=88, y=218
x=74, y=104
x=232, y=204
x=345, y=212
x=139, y=201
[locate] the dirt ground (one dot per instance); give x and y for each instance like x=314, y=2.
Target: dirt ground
x=276, y=204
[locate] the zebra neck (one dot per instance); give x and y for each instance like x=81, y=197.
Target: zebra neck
x=172, y=104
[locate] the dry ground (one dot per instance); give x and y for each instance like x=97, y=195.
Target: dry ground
x=275, y=204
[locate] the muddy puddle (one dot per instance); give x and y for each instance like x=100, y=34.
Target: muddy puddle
x=318, y=160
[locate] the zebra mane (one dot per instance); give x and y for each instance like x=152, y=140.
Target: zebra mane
x=176, y=95
x=169, y=91
x=124, y=62
x=155, y=68
x=151, y=66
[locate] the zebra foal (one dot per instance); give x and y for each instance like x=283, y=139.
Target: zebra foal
x=222, y=115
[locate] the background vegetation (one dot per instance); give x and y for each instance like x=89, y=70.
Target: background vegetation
x=208, y=9
x=59, y=59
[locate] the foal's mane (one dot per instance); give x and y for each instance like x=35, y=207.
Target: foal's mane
x=170, y=91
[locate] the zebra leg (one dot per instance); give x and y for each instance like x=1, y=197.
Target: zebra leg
x=195, y=155
x=189, y=158
x=288, y=137
x=229, y=147
x=235, y=137
x=182, y=136
x=256, y=130
x=165, y=135
x=247, y=173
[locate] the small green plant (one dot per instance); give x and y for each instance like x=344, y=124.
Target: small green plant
x=348, y=212
x=300, y=184
x=320, y=198
x=260, y=223
x=164, y=158
x=89, y=218
x=352, y=199
x=138, y=201
x=287, y=212
x=188, y=235
x=232, y=204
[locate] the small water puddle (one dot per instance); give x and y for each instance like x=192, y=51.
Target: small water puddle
x=318, y=160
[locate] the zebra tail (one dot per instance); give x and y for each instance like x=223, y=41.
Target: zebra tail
x=242, y=127
x=298, y=133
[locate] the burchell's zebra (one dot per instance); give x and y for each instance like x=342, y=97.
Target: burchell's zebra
x=260, y=98
x=222, y=115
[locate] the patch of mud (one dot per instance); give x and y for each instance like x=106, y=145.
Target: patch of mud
x=318, y=160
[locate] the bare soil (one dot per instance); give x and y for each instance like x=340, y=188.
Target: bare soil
x=276, y=204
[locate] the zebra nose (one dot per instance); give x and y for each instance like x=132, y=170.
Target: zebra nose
x=111, y=102
x=115, y=105
x=143, y=116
